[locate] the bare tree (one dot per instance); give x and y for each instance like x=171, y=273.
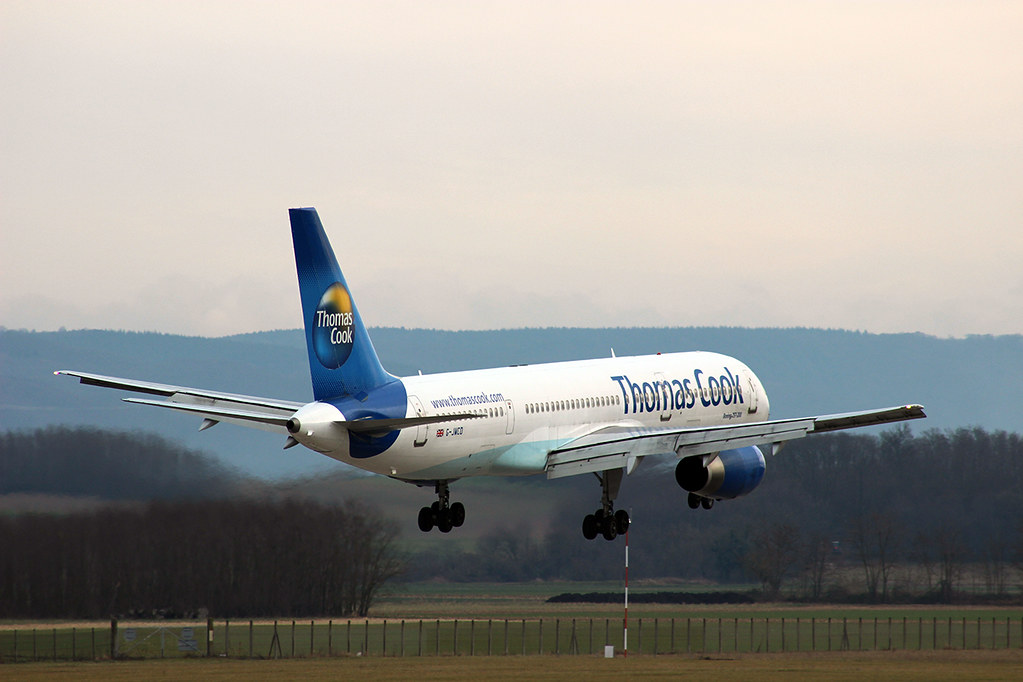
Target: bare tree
x=772, y=553
x=876, y=539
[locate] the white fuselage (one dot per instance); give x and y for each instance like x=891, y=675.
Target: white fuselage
x=524, y=412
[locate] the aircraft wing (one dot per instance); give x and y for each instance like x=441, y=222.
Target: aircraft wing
x=616, y=447
x=268, y=414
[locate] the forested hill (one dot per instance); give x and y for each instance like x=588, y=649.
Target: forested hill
x=109, y=465
x=975, y=381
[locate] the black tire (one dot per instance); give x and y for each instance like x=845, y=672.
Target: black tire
x=707, y=503
x=694, y=501
x=444, y=524
x=590, y=529
x=622, y=521
x=426, y=519
x=610, y=530
x=457, y=514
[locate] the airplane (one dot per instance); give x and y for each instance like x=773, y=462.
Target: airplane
x=601, y=416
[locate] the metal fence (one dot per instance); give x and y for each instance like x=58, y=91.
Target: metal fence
x=507, y=637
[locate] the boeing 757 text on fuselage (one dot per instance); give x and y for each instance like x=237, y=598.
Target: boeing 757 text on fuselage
x=601, y=416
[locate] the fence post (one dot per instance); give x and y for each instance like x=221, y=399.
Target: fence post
x=813, y=634
x=365, y=639
x=402, y=647
x=523, y=636
x=250, y=639
x=490, y=636
x=505, y=636
x=312, y=637
x=383, y=647
x=330, y=637
x=227, y=637
x=209, y=637
x=557, y=636
x=539, y=649
x=113, y=638
x=454, y=640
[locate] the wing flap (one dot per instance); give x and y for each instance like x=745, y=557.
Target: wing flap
x=266, y=420
x=851, y=420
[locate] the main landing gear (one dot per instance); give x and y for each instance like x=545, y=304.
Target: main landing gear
x=441, y=514
x=606, y=521
x=695, y=501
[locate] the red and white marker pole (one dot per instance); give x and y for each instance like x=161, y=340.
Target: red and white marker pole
x=625, y=623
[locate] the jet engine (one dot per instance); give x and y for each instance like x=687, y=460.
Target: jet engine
x=730, y=474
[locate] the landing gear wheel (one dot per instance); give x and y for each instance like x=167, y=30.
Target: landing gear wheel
x=426, y=519
x=590, y=528
x=694, y=501
x=621, y=521
x=610, y=529
x=457, y=514
x=444, y=524
x=707, y=503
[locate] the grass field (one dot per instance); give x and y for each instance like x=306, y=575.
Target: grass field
x=445, y=631
x=943, y=665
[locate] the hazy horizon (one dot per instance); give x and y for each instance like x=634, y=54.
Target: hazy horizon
x=515, y=165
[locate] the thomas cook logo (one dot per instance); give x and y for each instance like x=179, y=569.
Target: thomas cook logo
x=334, y=326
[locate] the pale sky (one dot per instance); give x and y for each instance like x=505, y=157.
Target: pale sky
x=482, y=165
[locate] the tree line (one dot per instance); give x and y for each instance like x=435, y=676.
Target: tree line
x=900, y=512
x=904, y=512
x=225, y=557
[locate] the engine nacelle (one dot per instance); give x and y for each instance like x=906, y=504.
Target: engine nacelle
x=733, y=473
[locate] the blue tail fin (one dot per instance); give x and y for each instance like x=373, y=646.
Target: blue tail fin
x=342, y=360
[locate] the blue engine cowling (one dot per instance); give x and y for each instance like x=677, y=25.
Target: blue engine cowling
x=733, y=473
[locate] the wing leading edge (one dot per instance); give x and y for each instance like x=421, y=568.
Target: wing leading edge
x=617, y=447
